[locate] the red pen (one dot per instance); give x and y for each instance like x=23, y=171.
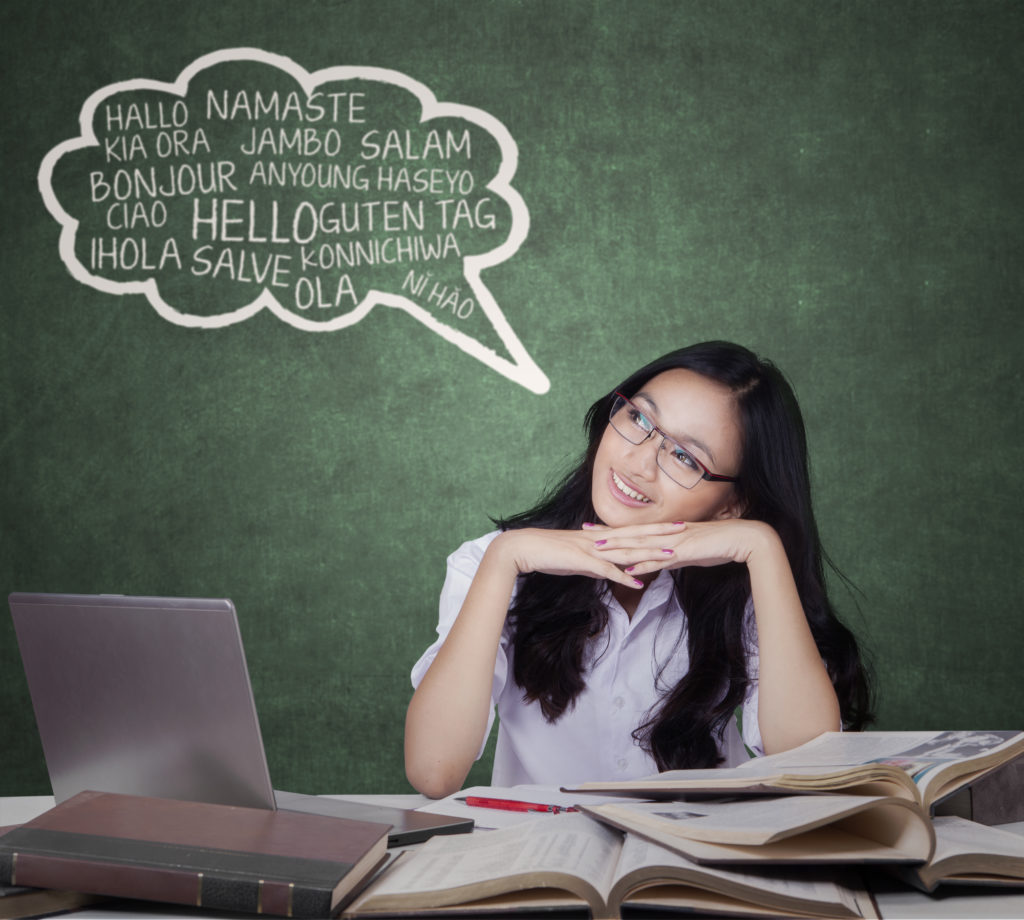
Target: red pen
x=514, y=805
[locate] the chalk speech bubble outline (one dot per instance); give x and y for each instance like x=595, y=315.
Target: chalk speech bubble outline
x=519, y=368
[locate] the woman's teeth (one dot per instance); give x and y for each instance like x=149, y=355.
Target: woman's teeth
x=626, y=490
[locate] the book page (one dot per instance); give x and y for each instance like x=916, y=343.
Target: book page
x=823, y=754
x=748, y=821
x=893, y=830
x=922, y=755
x=800, y=890
x=956, y=836
x=571, y=844
x=838, y=749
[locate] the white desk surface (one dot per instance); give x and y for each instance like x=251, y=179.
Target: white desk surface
x=893, y=899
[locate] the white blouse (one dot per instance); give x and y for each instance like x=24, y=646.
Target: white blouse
x=628, y=668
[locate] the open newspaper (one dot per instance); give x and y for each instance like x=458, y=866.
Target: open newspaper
x=572, y=861
x=806, y=829
x=923, y=767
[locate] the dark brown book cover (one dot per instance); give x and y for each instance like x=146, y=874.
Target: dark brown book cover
x=217, y=856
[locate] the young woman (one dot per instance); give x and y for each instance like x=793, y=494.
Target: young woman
x=664, y=607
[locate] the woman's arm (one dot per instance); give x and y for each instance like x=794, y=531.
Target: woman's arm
x=796, y=699
x=447, y=717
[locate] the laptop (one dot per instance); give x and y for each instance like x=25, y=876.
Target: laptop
x=151, y=696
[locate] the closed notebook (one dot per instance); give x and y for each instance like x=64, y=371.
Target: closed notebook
x=213, y=856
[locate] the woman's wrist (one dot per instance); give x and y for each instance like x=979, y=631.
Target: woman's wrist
x=503, y=555
x=763, y=547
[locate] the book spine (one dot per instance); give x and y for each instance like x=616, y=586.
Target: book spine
x=219, y=891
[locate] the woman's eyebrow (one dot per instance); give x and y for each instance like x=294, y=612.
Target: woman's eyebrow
x=696, y=442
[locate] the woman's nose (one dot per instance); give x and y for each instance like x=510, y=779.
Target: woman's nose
x=645, y=456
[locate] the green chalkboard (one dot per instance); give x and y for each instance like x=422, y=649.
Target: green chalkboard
x=298, y=295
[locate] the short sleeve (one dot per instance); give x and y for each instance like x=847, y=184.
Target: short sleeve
x=462, y=566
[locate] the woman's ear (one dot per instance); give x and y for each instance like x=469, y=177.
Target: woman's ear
x=733, y=508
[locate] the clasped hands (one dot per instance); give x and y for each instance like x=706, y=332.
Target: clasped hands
x=625, y=554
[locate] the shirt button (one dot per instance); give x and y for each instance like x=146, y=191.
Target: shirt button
x=622, y=763
x=618, y=702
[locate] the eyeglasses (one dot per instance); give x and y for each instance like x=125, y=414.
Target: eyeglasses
x=674, y=460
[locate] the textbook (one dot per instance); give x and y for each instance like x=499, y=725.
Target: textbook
x=968, y=853
x=215, y=856
x=570, y=861
x=805, y=829
x=923, y=767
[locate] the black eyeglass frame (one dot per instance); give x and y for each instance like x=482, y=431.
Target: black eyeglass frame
x=707, y=474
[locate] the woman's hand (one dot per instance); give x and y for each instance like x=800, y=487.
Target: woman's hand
x=595, y=551
x=706, y=543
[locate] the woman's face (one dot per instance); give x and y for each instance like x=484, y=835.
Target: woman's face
x=628, y=486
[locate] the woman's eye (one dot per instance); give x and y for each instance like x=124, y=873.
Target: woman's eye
x=684, y=458
x=640, y=420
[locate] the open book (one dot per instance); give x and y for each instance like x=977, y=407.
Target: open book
x=967, y=853
x=923, y=767
x=804, y=829
x=571, y=861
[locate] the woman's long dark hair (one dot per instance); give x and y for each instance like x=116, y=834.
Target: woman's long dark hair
x=555, y=616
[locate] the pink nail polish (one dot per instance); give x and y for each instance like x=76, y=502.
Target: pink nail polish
x=587, y=524
x=678, y=523
x=600, y=542
x=638, y=582
x=629, y=568
x=668, y=552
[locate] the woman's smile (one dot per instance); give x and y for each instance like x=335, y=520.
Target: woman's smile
x=625, y=492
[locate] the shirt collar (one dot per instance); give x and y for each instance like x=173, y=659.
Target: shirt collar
x=658, y=593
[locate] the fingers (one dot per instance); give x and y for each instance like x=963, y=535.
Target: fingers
x=635, y=531
x=630, y=556
x=647, y=540
x=611, y=564
x=709, y=543
x=629, y=579
x=567, y=552
x=600, y=566
x=638, y=549
x=618, y=554
x=645, y=568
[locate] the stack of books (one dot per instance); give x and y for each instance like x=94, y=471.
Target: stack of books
x=251, y=860
x=789, y=834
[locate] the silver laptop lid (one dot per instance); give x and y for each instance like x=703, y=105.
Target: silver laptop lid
x=142, y=695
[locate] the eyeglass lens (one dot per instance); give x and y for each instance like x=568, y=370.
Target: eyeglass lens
x=674, y=460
